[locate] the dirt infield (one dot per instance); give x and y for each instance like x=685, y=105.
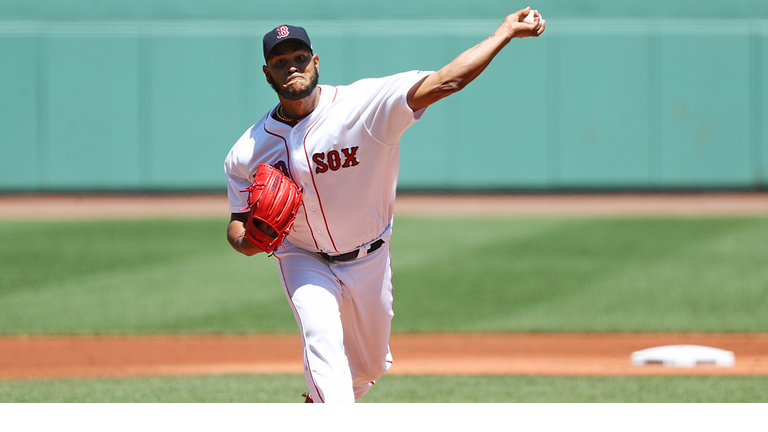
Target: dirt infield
x=540, y=354
x=444, y=354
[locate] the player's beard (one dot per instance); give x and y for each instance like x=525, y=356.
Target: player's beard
x=290, y=94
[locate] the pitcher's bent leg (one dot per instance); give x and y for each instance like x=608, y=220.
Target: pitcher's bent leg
x=367, y=315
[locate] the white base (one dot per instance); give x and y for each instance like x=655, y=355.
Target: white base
x=683, y=356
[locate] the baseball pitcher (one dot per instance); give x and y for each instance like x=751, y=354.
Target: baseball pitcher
x=313, y=184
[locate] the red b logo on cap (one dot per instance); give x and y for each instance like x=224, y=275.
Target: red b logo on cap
x=282, y=32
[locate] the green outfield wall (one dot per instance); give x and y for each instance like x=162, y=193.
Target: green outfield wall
x=150, y=95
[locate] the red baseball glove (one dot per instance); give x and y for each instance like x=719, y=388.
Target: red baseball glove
x=273, y=200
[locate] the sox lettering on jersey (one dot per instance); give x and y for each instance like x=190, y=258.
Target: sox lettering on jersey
x=332, y=160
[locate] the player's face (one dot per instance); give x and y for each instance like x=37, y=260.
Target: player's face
x=292, y=71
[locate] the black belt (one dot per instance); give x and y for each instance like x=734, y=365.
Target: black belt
x=349, y=256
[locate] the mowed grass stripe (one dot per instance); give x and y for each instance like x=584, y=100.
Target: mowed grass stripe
x=394, y=389
x=583, y=275
x=462, y=274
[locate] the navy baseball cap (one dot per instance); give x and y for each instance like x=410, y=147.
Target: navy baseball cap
x=285, y=33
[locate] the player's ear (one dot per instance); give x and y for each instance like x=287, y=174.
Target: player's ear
x=267, y=74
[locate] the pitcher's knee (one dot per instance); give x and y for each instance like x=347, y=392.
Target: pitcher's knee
x=363, y=374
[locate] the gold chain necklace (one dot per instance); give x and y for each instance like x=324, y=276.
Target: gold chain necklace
x=278, y=111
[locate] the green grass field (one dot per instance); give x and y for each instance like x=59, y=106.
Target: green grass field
x=394, y=388
x=484, y=274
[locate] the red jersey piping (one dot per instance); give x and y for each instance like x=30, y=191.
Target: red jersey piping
x=314, y=184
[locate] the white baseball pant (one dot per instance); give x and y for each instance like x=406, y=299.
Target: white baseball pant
x=344, y=312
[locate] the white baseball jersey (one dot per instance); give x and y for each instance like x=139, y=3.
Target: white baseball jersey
x=345, y=155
